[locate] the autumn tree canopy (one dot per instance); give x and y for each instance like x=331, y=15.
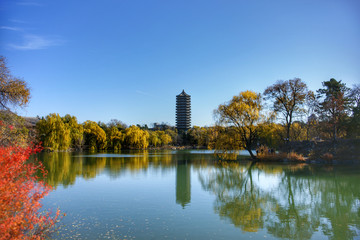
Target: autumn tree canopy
x=21, y=192
x=243, y=112
x=136, y=138
x=114, y=138
x=54, y=133
x=76, y=130
x=95, y=136
x=13, y=91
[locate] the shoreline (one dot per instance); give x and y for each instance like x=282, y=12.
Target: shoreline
x=244, y=158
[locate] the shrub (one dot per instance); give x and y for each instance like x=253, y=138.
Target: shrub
x=327, y=156
x=20, y=195
x=263, y=154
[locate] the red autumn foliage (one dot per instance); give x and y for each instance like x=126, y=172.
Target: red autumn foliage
x=20, y=195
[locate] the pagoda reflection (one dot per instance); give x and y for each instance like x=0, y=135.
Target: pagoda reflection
x=183, y=183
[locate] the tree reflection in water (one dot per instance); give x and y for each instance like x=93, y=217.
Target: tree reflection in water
x=306, y=199
x=63, y=167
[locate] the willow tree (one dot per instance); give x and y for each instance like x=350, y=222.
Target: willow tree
x=114, y=138
x=243, y=113
x=154, y=139
x=95, y=136
x=159, y=138
x=54, y=133
x=136, y=138
x=289, y=98
x=165, y=138
x=76, y=130
x=225, y=142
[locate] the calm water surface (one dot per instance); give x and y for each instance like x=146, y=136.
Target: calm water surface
x=190, y=195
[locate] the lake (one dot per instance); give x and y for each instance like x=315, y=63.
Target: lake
x=188, y=194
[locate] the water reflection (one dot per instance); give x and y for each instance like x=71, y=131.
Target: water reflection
x=288, y=201
x=63, y=167
x=183, y=183
x=306, y=200
x=237, y=198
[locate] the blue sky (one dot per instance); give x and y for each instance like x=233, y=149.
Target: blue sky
x=128, y=59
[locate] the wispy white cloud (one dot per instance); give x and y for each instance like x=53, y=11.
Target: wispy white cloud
x=35, y=42
x=143, y=93
x=25, y=3
x=10, y=28
x=17, y=21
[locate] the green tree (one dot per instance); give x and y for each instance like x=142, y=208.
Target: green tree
x=243, y=112
x=95, y=136
x=333, y=105
x=289, y=98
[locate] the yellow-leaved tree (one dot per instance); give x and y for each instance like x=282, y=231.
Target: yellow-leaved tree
x=164, y=137
x=114, y=138
x=201, y=136
x=154, y=139
x=95, y=136
x=271, y=134
x=136, y=138
x=159, y=138
x=243, y=114
x=54, y=133
x=76, y=130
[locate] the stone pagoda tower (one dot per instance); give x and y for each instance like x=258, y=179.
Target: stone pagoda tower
x=183, y=111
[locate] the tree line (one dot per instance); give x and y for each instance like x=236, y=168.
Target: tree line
x=285, y=112
x=330, y=113
x=62, y=133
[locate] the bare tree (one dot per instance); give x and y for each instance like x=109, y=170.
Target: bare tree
x=289, y=98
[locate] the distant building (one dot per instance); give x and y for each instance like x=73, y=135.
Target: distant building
x=183, y=111
x=161, y=126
